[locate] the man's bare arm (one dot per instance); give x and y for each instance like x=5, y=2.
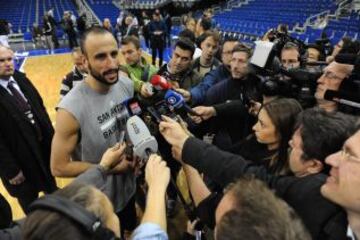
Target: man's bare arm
x=63, y=144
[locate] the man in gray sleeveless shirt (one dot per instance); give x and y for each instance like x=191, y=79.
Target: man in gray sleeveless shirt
x=87, y=121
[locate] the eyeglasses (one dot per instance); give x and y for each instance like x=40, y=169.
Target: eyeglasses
x=345, y=155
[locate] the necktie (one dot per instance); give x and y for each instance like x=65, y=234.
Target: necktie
x=19, y=99
x=24, y=107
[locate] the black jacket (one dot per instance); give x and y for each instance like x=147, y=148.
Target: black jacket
x=235, y=89
x=5, y=213
x=323, y=219
x=230, y=129
x=20, y=148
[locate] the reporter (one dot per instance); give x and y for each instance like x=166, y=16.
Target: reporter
x=50, y=224
x=153, y=224
x=301, y=190
x=343, y=180
x=268, y=144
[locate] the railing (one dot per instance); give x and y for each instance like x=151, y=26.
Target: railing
x=236, y=3
x=133, y=4
x=29, y=15
x=312, y=20
x=43, y=9
x=22, y=18
x=36, y=12
x=57, y=11
x=342, y=5
x=85, y=8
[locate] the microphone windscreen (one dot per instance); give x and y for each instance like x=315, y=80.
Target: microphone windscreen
x=139, y=135
x=137, y=130
x=159, y=82
x=346, y=58
x=174, y=99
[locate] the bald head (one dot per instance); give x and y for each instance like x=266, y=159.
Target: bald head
x=91, y=33
x=6, y=62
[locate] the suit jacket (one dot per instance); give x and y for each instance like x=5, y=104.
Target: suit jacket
x=20, y=147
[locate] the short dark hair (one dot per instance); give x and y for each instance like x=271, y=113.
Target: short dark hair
x=185, y=44
x=323, y=133
x=205, y=24
x=98, y=30
x=290, y=46
x=131, y=39
x=210, y=33
x=259, y=214
x=242, y=48
x=186, y=33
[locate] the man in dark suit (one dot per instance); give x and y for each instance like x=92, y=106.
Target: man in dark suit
x=25, y=135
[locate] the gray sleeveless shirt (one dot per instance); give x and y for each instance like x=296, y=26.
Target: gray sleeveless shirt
x=97, y=115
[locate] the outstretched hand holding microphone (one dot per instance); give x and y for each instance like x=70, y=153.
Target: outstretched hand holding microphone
x=175, y=134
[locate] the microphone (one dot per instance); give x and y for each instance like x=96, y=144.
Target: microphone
x=133, y=106
x=145, y=145
x=176, y=100
x=139, y=135
x=122, y=114
x=159, y=83
x=317, y=63
x=342, y=97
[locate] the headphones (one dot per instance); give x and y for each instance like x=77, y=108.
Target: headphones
x=87, y=220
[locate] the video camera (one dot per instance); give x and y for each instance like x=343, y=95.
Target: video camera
x=300, y=83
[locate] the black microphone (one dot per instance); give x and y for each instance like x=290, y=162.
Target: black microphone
x=343, y=98
x=317, y=63
x=301, y=75
x=347, y=58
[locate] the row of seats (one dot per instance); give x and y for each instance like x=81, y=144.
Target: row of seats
x=104, y=9
x=257, y=17
x=23, y=13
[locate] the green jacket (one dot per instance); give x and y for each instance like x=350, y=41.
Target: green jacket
x=136, y=73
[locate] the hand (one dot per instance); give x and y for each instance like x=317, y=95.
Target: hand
x=184, y=93
x=204, y=113
x=157, y=174
x=18, y=179
x=174, y=134
x=123, y=166
x=329, y=59
x=254, y=107
x=190, y=228
x=144, y=91
x=113, y=156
